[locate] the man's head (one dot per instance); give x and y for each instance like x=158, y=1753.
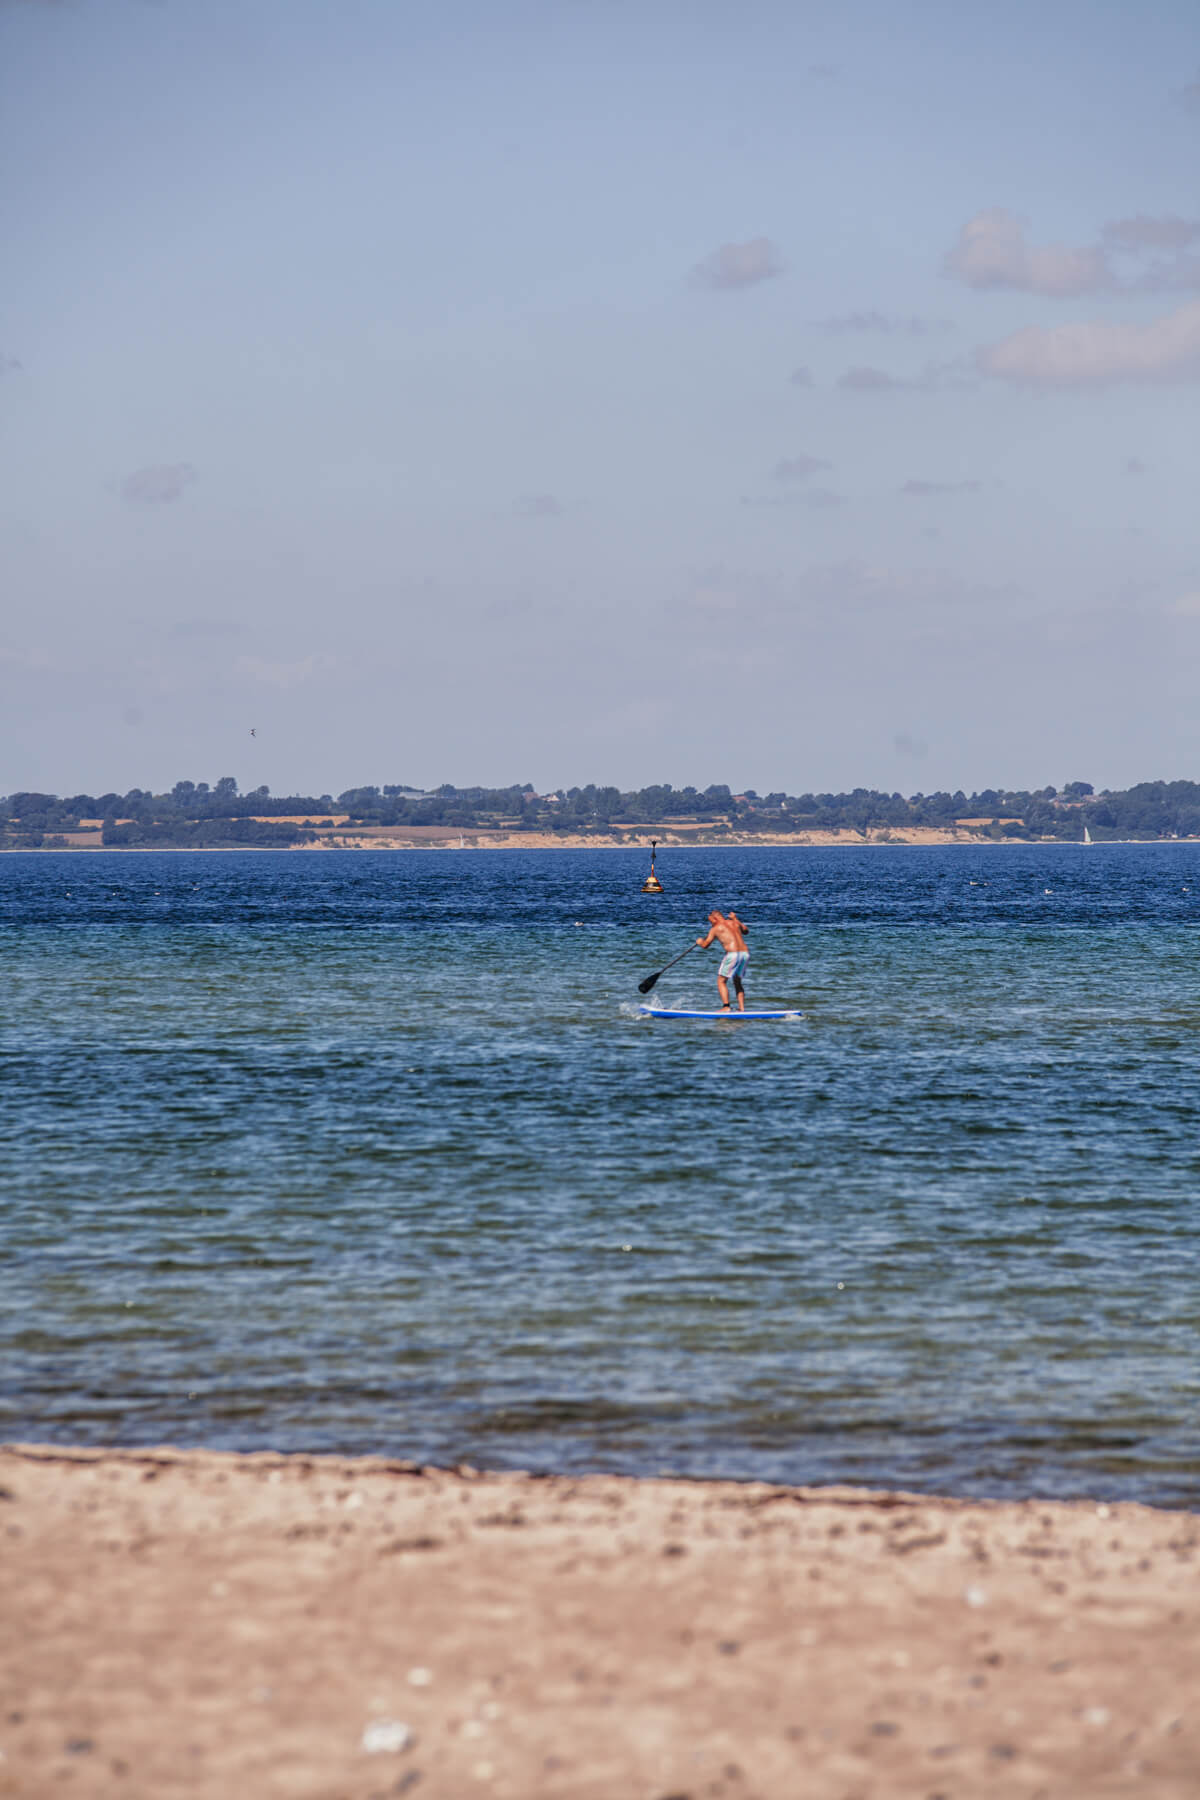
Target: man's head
x=715, y=918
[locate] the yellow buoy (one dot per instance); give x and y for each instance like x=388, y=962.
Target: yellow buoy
x=652, y=885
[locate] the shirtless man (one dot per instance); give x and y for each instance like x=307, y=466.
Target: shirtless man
x=728, y=931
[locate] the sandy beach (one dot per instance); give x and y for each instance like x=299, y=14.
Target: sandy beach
x=630, y=837
x=213, y=1625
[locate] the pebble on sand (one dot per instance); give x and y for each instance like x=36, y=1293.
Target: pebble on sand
x=386, y=1735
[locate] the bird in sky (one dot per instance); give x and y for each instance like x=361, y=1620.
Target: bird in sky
x=253, y=731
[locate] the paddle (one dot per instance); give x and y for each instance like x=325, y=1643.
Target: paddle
x=645, y=986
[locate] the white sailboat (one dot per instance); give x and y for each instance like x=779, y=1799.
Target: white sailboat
x=1087, y=836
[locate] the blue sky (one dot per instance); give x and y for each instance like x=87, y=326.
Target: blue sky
x=777, y=395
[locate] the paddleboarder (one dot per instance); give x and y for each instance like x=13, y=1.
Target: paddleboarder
x=728, y=931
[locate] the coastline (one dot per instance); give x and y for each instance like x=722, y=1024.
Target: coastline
x=922, y=837
x=270, y=1625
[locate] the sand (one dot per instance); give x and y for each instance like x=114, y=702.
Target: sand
x=210, y=1625
x=627, y=837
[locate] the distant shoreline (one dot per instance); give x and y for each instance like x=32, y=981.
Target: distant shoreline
x=532, y=840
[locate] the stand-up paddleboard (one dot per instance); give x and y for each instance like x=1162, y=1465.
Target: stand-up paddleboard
x=671, y=1012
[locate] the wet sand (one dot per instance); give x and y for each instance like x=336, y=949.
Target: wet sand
x=210, y=1625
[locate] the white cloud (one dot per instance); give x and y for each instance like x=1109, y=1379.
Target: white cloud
x=864, y=379
x=847, y=590
x=1092, y=354
x=796, y=468
x=1188, y=605
x=157, y=485
x=540, y=506
x=814, y=499
x=1139, y=236
x=1144, y=233
x=739, y=265
x=915, y=489
x=991, y=252
x=935, y=378
x=913, y=326
x=719, y=590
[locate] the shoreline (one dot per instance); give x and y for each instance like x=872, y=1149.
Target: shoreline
x=930, y=839
x=211, y=1623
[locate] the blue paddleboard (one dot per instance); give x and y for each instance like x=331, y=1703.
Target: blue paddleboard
x=671, y=1012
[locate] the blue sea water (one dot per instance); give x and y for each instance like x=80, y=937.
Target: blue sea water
x=371, y=1153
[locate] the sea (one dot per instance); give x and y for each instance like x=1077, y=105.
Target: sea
x=371, y=1152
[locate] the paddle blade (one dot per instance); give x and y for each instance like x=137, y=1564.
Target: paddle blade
x=645, y=986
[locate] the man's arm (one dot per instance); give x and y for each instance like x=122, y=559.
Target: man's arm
x=704, y=942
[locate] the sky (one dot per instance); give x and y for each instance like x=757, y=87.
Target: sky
x=623, y=391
